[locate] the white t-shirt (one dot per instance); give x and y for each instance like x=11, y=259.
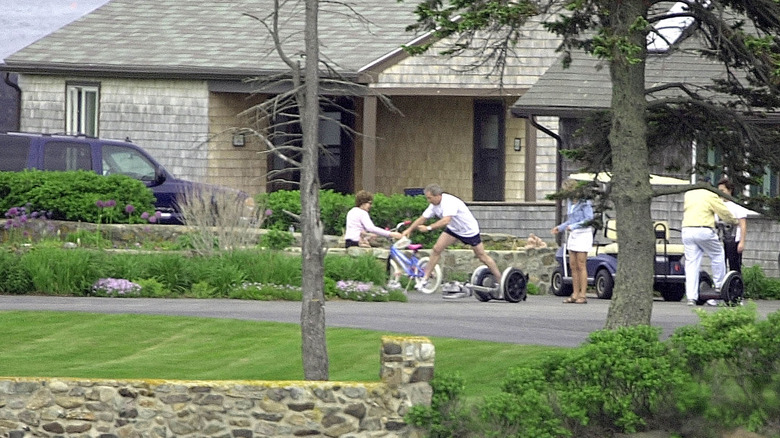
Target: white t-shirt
x=739, y=212
x=462, y=222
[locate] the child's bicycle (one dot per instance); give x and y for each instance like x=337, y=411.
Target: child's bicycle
x=408, y=265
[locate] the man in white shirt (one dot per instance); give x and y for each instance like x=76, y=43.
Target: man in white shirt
x=458, y=224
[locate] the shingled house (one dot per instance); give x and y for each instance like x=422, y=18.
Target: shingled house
x=171, y=76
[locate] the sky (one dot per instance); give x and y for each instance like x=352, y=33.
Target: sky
x=26, y=21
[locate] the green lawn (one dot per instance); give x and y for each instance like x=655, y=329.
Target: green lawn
x=68, y=344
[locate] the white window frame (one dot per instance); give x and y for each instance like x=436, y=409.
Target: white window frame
x=82, y=109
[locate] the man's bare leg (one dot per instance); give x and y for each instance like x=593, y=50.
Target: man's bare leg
x=483, y=257
x=444, y=241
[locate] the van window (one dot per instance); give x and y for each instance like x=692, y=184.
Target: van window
x=63, y=155
x=127, y=161
x=13, y=153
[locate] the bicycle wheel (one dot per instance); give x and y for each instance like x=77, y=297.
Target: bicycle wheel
x=434, y=281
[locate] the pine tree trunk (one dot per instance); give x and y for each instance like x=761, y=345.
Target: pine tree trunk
x=632, y=299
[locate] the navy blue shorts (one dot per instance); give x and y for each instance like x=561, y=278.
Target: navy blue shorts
x=471, y=241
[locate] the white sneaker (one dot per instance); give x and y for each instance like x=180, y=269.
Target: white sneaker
x=712, y=302
x=394, y=284
x=691, y=302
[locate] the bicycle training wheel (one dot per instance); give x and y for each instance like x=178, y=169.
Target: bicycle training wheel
x=434, y=281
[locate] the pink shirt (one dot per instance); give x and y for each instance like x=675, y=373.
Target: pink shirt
x=358, y=220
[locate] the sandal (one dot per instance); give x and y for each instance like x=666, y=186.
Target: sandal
x=581, y=301
x=569, y=300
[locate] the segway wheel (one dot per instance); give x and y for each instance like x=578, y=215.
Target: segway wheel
x=558, y=287
x=482, y=277
x=514, y=285
x=733, y=289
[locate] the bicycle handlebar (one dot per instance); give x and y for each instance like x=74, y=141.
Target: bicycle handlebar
x=400, y=224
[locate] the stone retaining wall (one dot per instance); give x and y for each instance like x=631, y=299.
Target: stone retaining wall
x=51, y=407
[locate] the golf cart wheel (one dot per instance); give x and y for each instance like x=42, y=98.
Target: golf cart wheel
x=558, y=287
x=479, y=277
x=514, y=284
x=671, y=292
x=604, y=284
x=733, y=289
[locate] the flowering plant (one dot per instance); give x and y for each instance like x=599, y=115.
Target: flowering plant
x=361, y=291
x=116, y=287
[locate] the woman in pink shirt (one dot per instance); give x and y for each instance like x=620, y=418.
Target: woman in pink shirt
x=359, y=222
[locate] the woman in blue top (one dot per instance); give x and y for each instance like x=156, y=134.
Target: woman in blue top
x=578, y=217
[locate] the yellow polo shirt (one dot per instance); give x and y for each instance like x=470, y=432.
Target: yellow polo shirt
x=700, y=207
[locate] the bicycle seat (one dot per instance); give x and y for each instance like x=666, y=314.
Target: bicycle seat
x=414, y=246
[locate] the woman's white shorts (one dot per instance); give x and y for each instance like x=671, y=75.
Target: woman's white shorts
x=580, y=240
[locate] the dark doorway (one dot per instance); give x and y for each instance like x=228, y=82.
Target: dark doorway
x=337, y=150
x=488, y=151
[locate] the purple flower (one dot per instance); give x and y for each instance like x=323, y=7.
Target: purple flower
x=34, y=215
x=110, y=203
x=152, y=219
x=13, y=211
x=269, y=212
x=100, y=204
x=129, y=209
x=145, y=215
x=158, y=214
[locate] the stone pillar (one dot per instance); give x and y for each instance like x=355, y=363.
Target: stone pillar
x=406, y=359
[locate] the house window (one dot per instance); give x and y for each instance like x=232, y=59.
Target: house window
x=81, y=109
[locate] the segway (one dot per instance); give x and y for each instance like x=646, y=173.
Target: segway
x=730, y=292
x=512, y=287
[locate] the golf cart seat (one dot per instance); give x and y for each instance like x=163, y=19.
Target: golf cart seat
x=662, y=245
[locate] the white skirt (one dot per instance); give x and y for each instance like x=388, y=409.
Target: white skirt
x=580, y=240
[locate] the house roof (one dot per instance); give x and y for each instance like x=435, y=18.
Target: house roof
x=586, y=85
x=214, y=39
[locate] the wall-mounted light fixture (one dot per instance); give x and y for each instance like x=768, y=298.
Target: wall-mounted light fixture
x=518, y=144
x=238, y=140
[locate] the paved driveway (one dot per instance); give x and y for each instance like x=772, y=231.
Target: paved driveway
x=541, y=320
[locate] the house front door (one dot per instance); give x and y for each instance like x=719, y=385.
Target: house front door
x=488, y=151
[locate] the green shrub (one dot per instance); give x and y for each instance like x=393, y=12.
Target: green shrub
x=203, y=289
x=618, y=380
x=524, y=408
x=736, y=360
x=758, y=286
x=446, y=416
x=277, y=239
x=74, y=195
x=14, y=278
x=151, y=288
x=386, y=211
x=266, y=292
x=62, y=272
x=364, y=267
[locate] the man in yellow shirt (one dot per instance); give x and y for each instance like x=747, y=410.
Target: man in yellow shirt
x=699, y=237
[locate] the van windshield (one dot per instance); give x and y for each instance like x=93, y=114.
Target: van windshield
x=127, y=161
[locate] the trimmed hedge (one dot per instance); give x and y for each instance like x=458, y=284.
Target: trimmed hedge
x=74, y=195
x=386, y=211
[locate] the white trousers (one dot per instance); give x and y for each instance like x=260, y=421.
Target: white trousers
x=696, y=242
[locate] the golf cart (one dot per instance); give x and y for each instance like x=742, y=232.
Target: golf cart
x=601, y=266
